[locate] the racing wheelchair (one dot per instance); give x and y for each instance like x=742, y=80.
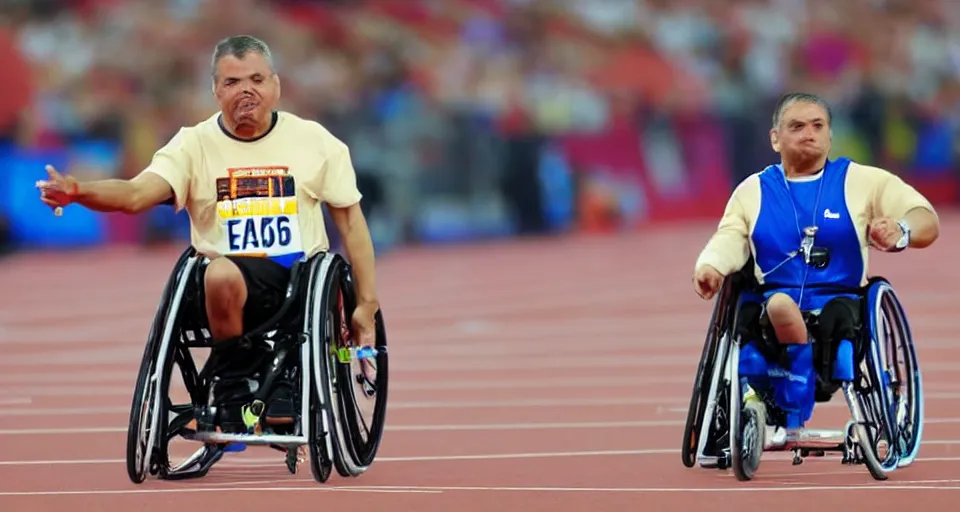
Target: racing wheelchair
x=885, y=397
x=307, y=345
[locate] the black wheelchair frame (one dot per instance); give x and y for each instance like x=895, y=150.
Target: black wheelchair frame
x=880, y=413
x=312, y=324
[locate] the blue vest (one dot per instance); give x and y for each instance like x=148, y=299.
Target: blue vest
x=786, y=208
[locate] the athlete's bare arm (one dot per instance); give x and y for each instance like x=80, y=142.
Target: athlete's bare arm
x=358, y=243
x=112, y=195
x=129, y=196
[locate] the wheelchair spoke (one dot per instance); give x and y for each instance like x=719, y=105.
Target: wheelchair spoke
x=881, y=441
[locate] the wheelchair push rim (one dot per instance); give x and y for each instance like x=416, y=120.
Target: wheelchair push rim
x=146, y=435
x=882, y=414
x=140, y=435
x=353, y=447
x=895, y=374
x=361, y=384
x=706, y=374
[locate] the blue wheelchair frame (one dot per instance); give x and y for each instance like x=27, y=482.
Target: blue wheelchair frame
x=311, y=323
x=714, y=431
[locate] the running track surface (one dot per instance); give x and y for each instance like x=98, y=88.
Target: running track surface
x=537, y=375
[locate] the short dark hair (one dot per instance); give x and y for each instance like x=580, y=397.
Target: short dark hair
x=239, y=47
x=799, y=97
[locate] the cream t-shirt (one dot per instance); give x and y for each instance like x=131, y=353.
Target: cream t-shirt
x=261, y=197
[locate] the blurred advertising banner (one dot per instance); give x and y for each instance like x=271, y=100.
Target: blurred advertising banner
x=32, y=223
x=932, y=163
x=665, y=170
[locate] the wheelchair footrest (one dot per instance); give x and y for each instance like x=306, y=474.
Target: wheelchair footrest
x=812, y=439
x=248, y=439
x=199, y=466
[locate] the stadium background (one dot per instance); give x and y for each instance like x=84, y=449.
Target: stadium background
x=471, y=119
x=591, y=143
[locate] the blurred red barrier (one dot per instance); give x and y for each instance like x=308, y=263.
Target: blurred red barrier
x=627, y=176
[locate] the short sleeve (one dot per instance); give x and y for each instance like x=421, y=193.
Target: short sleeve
x=338, y=180
x=894, y=197
x=173, y=163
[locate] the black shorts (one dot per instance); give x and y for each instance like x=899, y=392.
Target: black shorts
x=266, y=282
x=839, y=319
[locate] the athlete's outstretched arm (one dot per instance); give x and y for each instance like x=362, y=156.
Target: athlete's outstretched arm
x=110, y=195
x=167, y=177
x=128, y=196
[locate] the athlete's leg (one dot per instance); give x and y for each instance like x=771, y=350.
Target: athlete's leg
x=265, y=285
x=225, y=295
x=794, y=392
x=265, y=282
x=785, y=318
x=754, y=345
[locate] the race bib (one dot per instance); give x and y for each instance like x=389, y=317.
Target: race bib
x=257, y=213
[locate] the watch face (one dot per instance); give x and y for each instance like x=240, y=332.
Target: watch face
x=905, y=239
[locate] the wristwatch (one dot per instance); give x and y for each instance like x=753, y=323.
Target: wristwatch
x=904, y=241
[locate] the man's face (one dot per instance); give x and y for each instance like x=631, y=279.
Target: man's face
x=803, y=134
x=246, y=89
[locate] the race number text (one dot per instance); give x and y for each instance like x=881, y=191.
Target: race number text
x=263, y=233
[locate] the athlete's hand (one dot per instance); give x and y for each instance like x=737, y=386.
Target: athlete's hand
x=884, y=233
x=707, y=281
x=364, y=323
x=59, y=190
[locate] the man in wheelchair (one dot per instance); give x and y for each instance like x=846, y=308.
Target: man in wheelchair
x=804, y=227
x=253, y=180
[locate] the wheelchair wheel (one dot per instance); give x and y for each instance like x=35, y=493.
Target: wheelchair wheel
x=893, y=400
x=319, y=432
x=705, y=404
x=354, y=392
x=746, y=423
x=361, y=384
x=146, y=430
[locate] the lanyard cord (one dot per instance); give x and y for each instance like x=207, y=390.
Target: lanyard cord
x=796, y=217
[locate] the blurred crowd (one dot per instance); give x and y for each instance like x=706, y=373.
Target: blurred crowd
x=449, y=102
